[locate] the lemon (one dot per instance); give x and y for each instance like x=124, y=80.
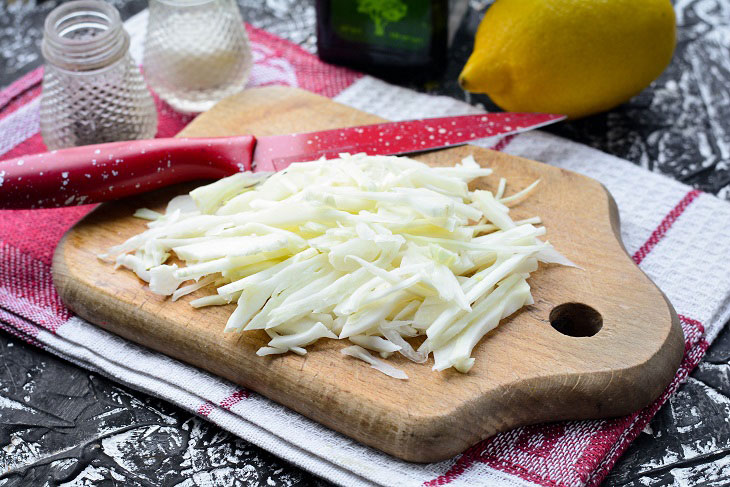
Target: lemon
x=574, y=57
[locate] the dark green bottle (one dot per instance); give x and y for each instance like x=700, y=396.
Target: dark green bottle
x=403, y=40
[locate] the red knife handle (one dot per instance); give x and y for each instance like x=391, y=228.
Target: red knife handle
x=95, y=173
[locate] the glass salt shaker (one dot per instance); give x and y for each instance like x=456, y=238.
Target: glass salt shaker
x=196, y=52
x=93, y=92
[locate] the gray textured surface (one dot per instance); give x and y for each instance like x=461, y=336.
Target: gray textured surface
x=61, y=425
x=64, y=426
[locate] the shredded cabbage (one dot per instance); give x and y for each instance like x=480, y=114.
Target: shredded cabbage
x=374, y=249
x=384, y=367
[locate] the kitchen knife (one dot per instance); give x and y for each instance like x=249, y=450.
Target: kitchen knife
x=95, y=173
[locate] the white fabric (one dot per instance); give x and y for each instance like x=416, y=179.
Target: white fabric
x=20, y=125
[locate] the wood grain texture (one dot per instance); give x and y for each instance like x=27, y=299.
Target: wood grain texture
x=525, y=372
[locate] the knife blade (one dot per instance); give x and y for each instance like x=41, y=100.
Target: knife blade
x=275, y=153
x=96, y=173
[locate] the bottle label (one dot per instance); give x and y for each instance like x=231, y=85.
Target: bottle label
x=393, y=24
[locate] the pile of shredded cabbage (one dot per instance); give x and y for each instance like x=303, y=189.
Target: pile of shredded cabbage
x=374, y=249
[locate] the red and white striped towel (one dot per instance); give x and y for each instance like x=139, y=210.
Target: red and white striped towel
x=680, y=237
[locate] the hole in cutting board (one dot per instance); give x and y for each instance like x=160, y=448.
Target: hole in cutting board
x=576, y=320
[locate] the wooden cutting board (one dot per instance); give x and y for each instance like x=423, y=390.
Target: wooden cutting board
x=526, y=371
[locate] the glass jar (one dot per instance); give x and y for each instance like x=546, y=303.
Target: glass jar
x=196, y=52
x=93, y=92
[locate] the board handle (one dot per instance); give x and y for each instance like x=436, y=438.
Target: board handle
x=103, y=172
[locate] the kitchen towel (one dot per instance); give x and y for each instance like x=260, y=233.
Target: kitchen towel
x=679, y=237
